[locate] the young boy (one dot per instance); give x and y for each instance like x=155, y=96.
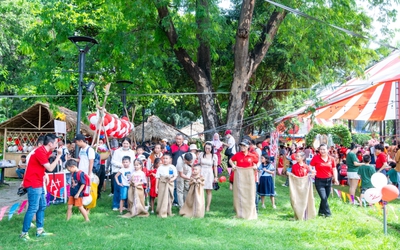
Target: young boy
x=126, y=173
x=392, y=173
x=21, y=167
x=76, y=189
x=365, y=172
x=165, y=177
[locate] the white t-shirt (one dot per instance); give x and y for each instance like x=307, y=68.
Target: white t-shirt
x=139, y=176
x=232, y=143
x=126, y=175
x=181, y=166
x=164, y=170
x=84, y=159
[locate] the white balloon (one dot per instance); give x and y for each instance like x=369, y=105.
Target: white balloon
x=373, y=195
x=379, y=180
x=87, y=200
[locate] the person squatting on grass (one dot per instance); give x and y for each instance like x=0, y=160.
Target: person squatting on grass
x=266, y=185
x=33, y=182
x=122, y=178
x=326, y=173
x=77, y=185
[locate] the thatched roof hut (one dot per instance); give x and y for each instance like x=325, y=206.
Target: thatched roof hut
x=40, y=118
x=194, y=130
x=155, y=129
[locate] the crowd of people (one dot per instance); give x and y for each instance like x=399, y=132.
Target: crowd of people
x=177, y=174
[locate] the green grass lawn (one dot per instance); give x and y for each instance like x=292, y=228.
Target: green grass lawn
x=350, y=227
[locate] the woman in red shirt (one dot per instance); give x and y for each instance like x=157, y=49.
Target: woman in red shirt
x=326, y=173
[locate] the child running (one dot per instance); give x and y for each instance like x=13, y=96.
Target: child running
x=76, y=189
x=266, y=182
x=152, y=186
x=125, y=172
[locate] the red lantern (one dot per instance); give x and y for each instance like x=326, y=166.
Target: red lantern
x=16, y=141
x=20, y=148
x=9, y=139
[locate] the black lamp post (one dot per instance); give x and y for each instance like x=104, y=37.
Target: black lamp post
x=143, y=113
x=83, y=43
x=123, y=97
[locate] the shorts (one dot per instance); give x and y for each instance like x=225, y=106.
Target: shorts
x=353, y=175
x=124, y=192
x=75, y=202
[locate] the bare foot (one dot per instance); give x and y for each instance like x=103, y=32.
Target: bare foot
x=207, y=209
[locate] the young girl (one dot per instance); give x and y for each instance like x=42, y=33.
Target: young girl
x=194, y=203
x=152, y=176
x=266, y=182
x=136, y=196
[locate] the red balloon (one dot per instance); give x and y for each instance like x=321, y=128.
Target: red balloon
x=16, y=141
x=125, y=118
x=90, y=116
x=389, y=193
x=92, y=126
x=106, y=120
x=102, y=132
x=222, y=179
x=20, y=148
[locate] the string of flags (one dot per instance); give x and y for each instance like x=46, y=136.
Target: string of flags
x=13, y=209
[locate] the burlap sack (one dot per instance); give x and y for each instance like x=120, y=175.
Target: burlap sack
x=194, y=206
x=165, y=197
x=244, y=193
x=136, y=205
x=302, y=197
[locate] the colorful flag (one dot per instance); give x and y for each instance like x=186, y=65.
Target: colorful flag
x=2, y=212
x=344, y=196
x=23, y=204
x=349, y=197
x=12, y=210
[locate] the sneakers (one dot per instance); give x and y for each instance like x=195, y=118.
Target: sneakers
x=115, y=209
x=263, y=206
x=43, y=234
x=111, y=195
x=274, y=207
x=25, y=237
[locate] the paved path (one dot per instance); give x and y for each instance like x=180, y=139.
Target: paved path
x=8, y=194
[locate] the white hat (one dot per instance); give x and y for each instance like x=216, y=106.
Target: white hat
x=193, y=147
x=166, y=140
x=141, y=158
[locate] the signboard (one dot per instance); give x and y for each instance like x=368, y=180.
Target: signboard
x=56, y=188
x=60, y=127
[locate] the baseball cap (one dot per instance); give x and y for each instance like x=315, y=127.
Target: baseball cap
x=79, y=137
x=166, y=140
x=244, y=143
x=228, y=132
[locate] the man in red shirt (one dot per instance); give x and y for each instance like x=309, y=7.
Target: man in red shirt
x=33, y=181
x=381, y=158
x=177, y=150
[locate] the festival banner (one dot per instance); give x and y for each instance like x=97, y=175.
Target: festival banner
x=56, y=189
x=23, y=204
x=12, y=210
x=2, y=212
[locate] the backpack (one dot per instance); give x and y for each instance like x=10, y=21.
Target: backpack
x=343, y=170
x=63, y=156
x=96, y=161
x=86, y=189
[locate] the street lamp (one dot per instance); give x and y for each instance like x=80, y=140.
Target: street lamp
x=83, y=43
x=123, y=97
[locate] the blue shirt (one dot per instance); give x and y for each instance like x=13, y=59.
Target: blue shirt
x=75, y=184
x=270, y=167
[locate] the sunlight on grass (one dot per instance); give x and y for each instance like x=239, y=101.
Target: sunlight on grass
x=350, y=227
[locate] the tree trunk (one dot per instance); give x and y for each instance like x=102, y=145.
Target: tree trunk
x=246, y=63
x=200, y=72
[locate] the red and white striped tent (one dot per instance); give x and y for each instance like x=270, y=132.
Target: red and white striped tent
x=374, y=97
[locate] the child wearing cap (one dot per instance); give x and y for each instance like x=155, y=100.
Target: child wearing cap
x=76, y=189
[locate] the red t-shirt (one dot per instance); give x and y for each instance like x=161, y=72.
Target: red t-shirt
x=300, y=171
x=35, y=170
x=324, y=168
x=245, y=161
x=380, y=160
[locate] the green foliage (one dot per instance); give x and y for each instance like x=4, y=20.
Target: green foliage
x=340, y=134
x=361, y=139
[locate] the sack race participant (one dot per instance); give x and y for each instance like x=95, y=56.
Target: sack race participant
x=302, y=197
x=194, y=204
x=136, y=197
x=165, y=177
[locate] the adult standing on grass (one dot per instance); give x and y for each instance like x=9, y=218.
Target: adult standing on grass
x=33, y=181
x=116, y=163
x=208, y=162
x=352, y=169
x=86, y=155
x=326, y=173
x=177, y=150
x=244, y=167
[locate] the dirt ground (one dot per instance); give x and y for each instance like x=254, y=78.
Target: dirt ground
x=8, y=194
